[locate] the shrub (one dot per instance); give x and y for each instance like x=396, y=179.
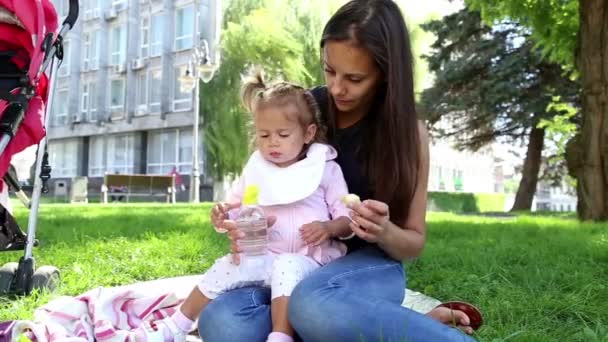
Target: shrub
x=465, y=202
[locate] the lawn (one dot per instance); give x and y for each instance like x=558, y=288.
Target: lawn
x=541, y=278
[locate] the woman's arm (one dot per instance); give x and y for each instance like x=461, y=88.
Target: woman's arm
x=408, y=241
x=399, y=242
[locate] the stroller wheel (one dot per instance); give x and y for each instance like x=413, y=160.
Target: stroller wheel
x=45, y=278
x=7, y=273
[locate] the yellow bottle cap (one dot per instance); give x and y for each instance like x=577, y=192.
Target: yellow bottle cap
x=250, y=196
x=23, y=338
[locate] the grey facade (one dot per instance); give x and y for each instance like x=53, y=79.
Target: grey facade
x=118, y=107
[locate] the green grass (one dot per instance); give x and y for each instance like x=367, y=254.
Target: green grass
x=536, y=278
x=96, y=245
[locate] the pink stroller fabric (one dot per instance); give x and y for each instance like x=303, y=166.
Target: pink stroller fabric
x=37, y=18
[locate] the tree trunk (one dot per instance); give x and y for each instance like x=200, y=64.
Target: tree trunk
x=592, y=63
x=529, y=176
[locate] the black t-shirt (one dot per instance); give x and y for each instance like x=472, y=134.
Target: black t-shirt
x=347, y=141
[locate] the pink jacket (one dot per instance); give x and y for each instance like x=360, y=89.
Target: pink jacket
x=322, y=205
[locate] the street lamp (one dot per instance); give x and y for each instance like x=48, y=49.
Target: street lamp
x=201, y=68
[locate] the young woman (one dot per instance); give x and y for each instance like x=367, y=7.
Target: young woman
x=368, y=106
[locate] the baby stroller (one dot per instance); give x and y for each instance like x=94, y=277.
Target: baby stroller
x=29, y=44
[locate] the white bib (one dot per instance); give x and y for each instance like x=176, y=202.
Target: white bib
x=289, y=184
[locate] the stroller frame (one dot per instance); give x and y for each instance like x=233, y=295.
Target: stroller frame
x=22, y=277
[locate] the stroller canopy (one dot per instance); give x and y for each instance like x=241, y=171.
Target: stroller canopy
x=24, y=24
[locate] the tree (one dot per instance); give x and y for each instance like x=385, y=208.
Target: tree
x=492, y=85
x=281, y=36
x=269, y=34
x=573, y=32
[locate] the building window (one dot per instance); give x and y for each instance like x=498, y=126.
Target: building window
x=91, y=51
x=184, y=24
x=117, y=95
x=91, y=9
x=156, y=35
x=87, y=41
x=118, y=45
x=155, y=89
x=182, y=101
x=92, y=114
x=149, y=89
x=60, y=107
x=161, y=152
x=120, y=154
x=185, y=151
x=64, y=158
x=96, y=164
x=169, y=149
x=142, y=93
x=84, y=99
x=145, y=37
x=458, y=181
x=88, y=101
x=440, y=179
x=64, y=67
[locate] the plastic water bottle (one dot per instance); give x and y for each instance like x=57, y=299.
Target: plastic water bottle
x=252, y=221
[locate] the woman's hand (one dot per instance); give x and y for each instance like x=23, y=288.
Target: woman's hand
x=315, y=233
x=370, y=220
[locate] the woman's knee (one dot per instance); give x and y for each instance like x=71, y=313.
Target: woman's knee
x=246, y=311
x=307, y=302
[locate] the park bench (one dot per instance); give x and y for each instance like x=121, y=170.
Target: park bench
x=135, y=185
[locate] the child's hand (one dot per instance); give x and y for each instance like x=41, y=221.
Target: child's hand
x=315, y=233
x=219, y=214
x=235, y=235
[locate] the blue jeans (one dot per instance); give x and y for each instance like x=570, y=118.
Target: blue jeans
x=355, y=298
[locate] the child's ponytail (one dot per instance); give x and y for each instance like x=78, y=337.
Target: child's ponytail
x=253, y=89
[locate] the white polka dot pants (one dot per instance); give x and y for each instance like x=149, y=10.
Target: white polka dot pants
x=281, y=272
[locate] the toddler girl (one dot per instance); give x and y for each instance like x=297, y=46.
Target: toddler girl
x=300, y=185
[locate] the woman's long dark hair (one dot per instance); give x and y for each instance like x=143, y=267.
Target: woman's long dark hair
x=391, y=153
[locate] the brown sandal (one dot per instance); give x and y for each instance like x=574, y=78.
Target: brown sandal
x=470, y=310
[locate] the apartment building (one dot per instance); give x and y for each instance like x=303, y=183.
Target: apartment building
x=118, y=106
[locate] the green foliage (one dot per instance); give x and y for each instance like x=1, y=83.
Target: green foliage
x=420, y=40
x=559, y=130
x=275, y=36
x=554, y=23
x=466, y=202
x=490, y=202
x=511, y=186
x=282, y=37
x=491, y=82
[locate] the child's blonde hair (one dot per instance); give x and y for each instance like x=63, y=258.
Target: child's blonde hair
x=256, y=93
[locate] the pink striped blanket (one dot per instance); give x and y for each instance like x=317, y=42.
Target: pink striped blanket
x=105, y=314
